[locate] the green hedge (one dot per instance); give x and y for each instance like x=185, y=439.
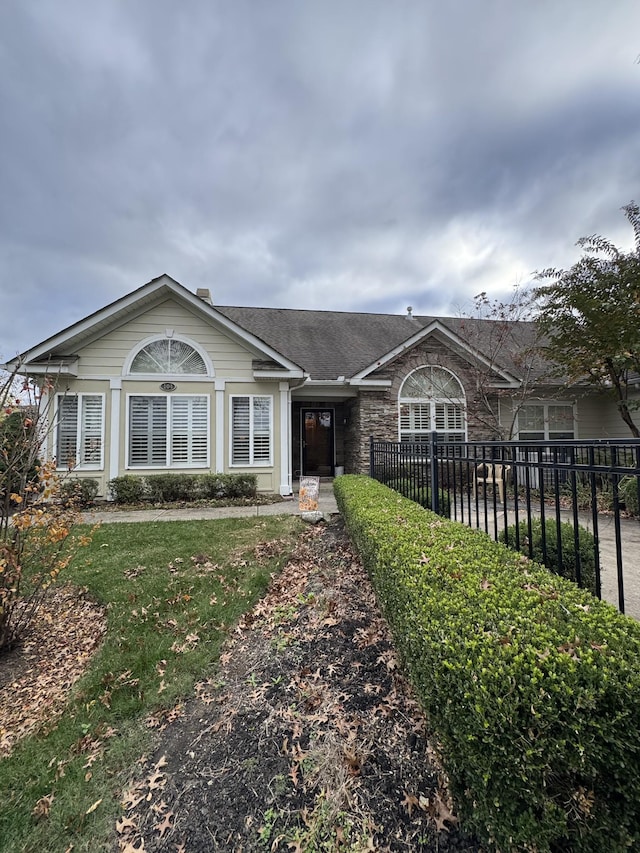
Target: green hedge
x=421, y=495
x=167, y=488
x=81, y=491
x=534, y=549
x=531, y=685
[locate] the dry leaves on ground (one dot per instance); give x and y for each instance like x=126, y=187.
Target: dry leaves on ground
x=309, y=738
x=37, y=676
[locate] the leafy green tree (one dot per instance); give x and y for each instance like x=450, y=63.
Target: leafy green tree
x=590, y=315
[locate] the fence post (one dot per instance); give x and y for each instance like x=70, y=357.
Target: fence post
x=371, y=463
x=433, y=456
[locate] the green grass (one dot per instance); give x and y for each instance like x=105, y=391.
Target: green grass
x=156, y=597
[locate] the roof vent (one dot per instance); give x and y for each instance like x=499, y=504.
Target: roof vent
x=205, y=294
x=409, y=310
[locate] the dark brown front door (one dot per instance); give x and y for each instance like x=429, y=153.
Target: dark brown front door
x=317, y=442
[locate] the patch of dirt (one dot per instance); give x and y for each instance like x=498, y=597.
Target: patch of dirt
x=36, y=676
x=308, y=739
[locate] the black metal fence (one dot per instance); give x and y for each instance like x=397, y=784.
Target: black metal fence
x=572, y=504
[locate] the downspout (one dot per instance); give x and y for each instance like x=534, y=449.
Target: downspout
x=287, y=488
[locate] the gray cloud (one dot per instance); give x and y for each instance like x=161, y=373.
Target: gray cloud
x=359, y=156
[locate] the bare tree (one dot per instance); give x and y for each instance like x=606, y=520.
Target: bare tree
x=509, y=362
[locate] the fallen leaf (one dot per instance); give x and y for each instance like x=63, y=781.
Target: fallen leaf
x=134, y=847
x=165, y=824
x=409, y=802
x=124, y=824
x=94, y=806
x=43, y=806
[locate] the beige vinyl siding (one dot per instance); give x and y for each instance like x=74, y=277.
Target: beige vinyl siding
x=506, y=409
x=599, y=418
x=106, y=357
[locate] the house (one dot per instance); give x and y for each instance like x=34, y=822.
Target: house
x=165, y=380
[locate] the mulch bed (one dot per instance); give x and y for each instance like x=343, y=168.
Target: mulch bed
x=307, y=739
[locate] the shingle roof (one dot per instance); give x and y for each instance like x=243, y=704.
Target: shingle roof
x=327, y=344
x=330, y=344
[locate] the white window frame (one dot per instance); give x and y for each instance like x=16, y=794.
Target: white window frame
x=545, y=405
x=433, y=403
x=168, y=463
x=80, y=434
x=183, y=377
x=252, y=462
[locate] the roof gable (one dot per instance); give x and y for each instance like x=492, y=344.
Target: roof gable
x=435, y=328
x=58, y=350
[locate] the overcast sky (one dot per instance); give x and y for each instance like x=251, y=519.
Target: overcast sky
x=344, y=155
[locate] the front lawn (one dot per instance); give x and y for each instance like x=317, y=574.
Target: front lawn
x=172, y=591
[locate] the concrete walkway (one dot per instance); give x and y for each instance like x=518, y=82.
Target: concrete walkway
x=326, y=504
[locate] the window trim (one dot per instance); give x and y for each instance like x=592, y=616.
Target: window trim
x=433, y=402
x=80, y=396
x=183, y=377
x=545, y=419
x=261, y=463
x=167, y=465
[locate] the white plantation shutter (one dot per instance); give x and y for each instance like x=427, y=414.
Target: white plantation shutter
x=251, y=430
x=148, y=431
x=91, y=430
x=431, y=399
x=240, y=431
x=79, y=440
x=184, y=359
x=200, y=431
x=189, y=431
x=169, y=356
x=261, y=429
x=415, y=421
x=169, y=432
x=67, y=441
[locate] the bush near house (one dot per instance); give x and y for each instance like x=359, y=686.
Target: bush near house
x=531, y=685
x=19, y=445
x=628, y=491
x=422, y=495
x=561, y=556
x=167, y=488
x=81, y=491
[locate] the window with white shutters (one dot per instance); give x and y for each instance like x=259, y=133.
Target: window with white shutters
x=80, y=431
x=431, y=399
x=189, y=431
x=171, y=431
x=251, y=430
x=169, y=356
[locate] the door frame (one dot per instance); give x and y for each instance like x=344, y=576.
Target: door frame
x=303, y=455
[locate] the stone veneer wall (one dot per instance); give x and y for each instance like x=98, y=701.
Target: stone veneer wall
x=375, y=412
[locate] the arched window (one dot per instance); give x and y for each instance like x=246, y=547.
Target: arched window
x=169, y=356
x=431, y=399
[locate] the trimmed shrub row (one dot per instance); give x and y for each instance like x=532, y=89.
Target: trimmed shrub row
x=531, y=685
x=561, y=557
x=166, y=488
x=421, y=495
x=82, y=491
